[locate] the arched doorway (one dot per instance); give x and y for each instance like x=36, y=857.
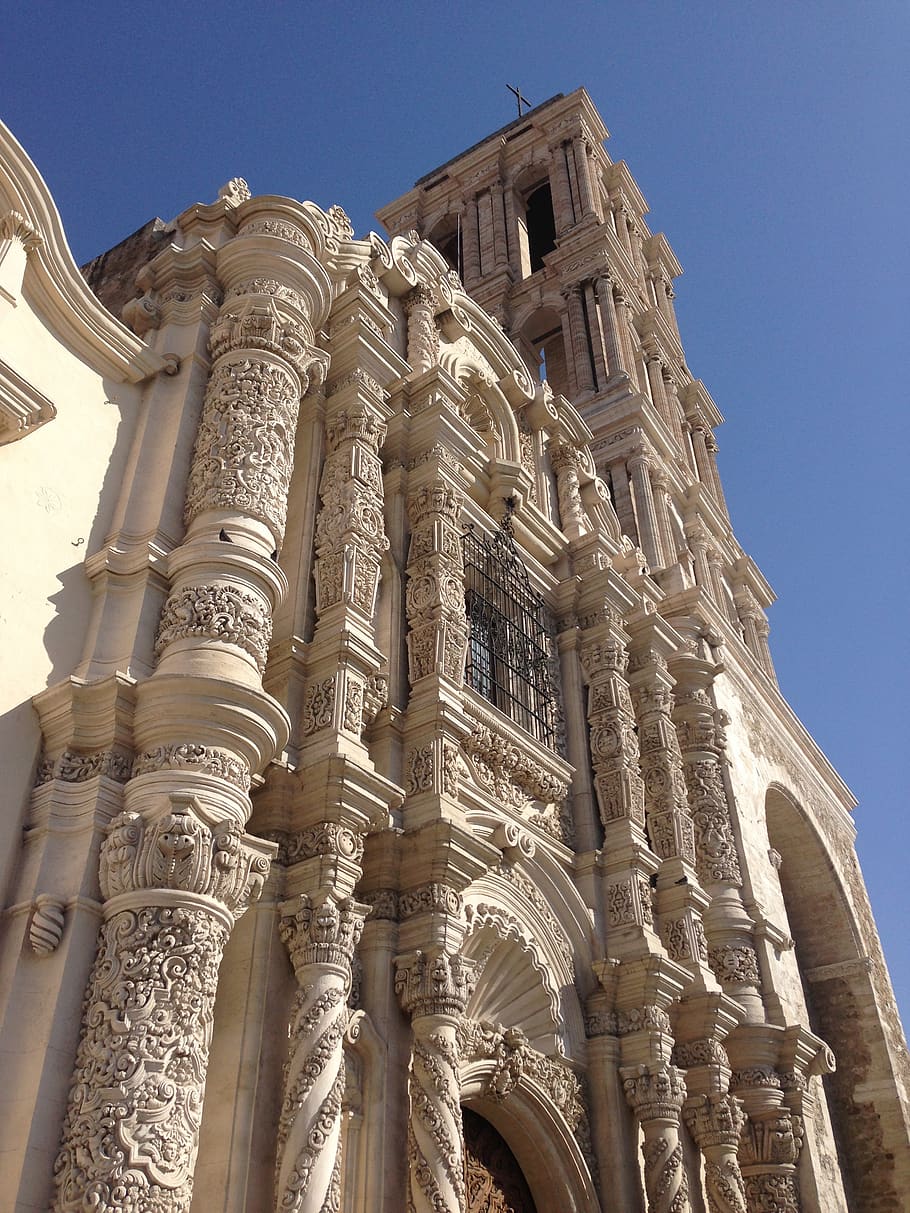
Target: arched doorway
x=494, y=1180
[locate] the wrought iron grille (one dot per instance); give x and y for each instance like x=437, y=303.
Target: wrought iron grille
x=511, y=651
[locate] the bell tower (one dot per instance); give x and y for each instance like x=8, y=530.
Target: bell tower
x=549, y=235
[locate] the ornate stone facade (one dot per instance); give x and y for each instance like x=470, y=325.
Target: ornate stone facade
x=411, y=755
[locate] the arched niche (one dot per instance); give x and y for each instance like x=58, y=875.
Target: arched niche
x=844, y=1005
x=486, y=407
x=529, y=950
x=547, y=1148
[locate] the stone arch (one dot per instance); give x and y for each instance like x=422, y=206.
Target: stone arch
x=486, y=406
x=548, y=1148
x=445, y=236
x=542, y=341
x=841, y=976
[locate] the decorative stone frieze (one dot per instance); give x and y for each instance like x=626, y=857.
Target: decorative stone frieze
x=221, y=613
x=201, y=759
x=73, y=767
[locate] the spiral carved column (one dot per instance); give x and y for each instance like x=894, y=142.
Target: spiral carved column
x=434, y=988
x=656, y=1094
x=716, y=1122
x=320, y=934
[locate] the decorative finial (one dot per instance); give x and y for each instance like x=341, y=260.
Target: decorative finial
x=235, y=191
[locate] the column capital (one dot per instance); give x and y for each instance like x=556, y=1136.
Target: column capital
x=654, y=1092
x=433, y=983
x=179, y=852
x=321, y=930
x=714, y=1120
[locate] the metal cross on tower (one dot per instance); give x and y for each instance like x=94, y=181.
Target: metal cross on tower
x=519, y=98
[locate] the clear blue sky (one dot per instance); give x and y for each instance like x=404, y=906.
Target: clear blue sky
x=771, y=143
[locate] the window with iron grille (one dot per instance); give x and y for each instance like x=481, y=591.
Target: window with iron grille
x=511, y=651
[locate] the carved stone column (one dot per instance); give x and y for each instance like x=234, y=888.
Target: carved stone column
x=656, y=1095
x=645, y=512
x=581, y=145
x=423, y=340
x=433, y=988
x=321, y=934
x=500, y=239
x=628, y=863
x=612, y=339
x=565, y=460
x=172, y=890
x=768, y=1153
x=563, y=206
x=627, y=336
x=715, y=1122
x=601, y=371
x=580, y=352
x=674, y=410
x=729, y=929
x=471, y=243
x=755, y=628
x=437, y=625
x=176, y=867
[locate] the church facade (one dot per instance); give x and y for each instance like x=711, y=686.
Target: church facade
x=400, y=810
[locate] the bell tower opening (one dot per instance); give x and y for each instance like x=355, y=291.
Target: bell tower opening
x=540, y=225
x=494, y=1181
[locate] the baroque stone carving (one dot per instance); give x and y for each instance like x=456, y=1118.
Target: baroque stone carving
x=503, y=766
x=656, y=1095
x=135, y=1107
x=430, y=898
x=74, y=767
x=320, y=935
x=245, y=443
x=206, y=760
x=614, y=745
x=217, y=612
x=735, y=964
x=45, y=928
x=319, y=706
x=433, y=983
x=179, y=851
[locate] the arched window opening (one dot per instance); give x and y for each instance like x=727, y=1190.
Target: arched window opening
x=541, y=225
x=446, y=236
x=544, y=343
x=511, y=651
